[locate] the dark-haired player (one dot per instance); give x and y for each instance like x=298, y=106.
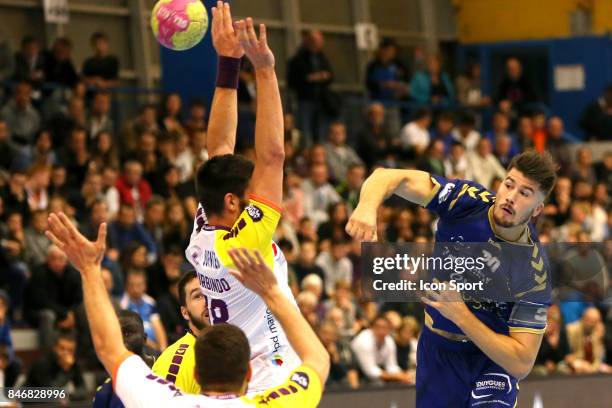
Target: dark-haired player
x=241, y=200
x=177, y=363
x=474, y=353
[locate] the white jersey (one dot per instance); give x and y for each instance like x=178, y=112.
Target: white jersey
x=272, y=358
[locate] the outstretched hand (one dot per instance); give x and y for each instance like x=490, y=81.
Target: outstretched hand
x=253, y=272
x=362, y=223
x=257, y=50
x=224, y=37
x=81, y=252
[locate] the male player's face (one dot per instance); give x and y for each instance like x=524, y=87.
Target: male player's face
x=195, y=310
x=518, y=199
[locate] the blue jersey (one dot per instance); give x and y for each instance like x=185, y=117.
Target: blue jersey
x=516, y=275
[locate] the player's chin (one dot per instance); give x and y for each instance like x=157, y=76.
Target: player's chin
x=503, y=219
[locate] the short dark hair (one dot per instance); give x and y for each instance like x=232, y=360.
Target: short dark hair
x=228, y=173
x=536, y=166
x=98, y=35
x=182, y=284
x=67, y=335
x=421, y=113
x=132, y=330
x=222, y=355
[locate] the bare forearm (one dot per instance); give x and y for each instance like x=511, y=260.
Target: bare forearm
x=380, y=185
x=269, y=124
x=299, y=333
x=511, y=355
x=103, y=322
x=223, y=122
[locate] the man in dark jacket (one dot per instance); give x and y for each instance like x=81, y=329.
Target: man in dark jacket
x=309, y=76
x=53, y=292
x=58, y=368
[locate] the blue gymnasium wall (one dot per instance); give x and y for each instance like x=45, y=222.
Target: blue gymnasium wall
x=192, y=72
x=594, y=53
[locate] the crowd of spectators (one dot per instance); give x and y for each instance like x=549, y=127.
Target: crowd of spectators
x=64, y=152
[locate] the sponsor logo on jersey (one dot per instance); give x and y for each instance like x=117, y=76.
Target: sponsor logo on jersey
x=301, y=379
x=277, y=360
x=254, y=212
x=486, y=387
x=445, y=193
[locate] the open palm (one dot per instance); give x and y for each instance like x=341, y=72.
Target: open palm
x=257, y=50
x=81, y=252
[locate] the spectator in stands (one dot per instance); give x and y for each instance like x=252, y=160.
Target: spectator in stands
x=343, y=368
x=585, y=338
x=502, y=150
x=168, y=265
x=465, y=133
x=524, y=132
x=76, y=157
x=335, y=265
x=350, y=188
x=21, y=117
x=54, y=290
x=62, y=124
x=184, y=157
x=197, y=117
x=176, y=227
x=501, y=127
x=309, y=75
x=583, y=169
x=137, y=300
x=406, y=341
x=319, y=194
x=198, y=146
x=376, y=354
x=432, y=86
x=375, y=140
x=146, y=121
x=469, y=88
x=433, y=159
x=414, y=136
x=12, y=367
x=14, y=194
x=133, y=189
x=111, y=193
x=596, y=119
x=36, y=242
x=387, y=81
x=39, y=178
x=99, y=118
x=7, y=61
x=170, y=119
x=102, y=69
x=339, y=155
x=30, y=62
x=306, y=264
x=342, y=299
x=104, y=152
x=456, y=163
x=58, y=368
x=445, y=122
x=555, y=348
x=484, y=166
x=127, y=229
x=7, y=149
x=153, y=220
x=515, y=91
x=169, y=307
x=558, y=144
x=41, y=152
x=58, y=67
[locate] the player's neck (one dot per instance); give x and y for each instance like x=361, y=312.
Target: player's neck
x=516, y=234
x=226, y=221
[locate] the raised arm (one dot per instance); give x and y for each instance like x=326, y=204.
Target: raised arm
x=267, y=180
x=413, y=185
x=255, y=275
x=86, y=256
x=223, y=120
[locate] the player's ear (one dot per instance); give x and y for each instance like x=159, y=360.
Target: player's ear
x=538, y=210
x=231, y=202
x=184, y=313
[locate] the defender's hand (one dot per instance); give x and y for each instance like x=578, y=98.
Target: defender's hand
x=224, y=38
x=362, y=224
x=253, y=272
x=256, y=50
x=81, y=252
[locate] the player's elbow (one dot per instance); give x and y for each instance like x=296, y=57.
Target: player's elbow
x=275, y=156
x=320, y=364
x=521, y=369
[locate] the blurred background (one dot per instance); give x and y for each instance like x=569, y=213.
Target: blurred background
x=97, y=121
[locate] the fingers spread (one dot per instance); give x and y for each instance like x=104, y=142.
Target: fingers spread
x=56, y=241
x=251, y=31
x=263, y=37
x=260, y=260
x=58, y=229
x=238, y=275
x=227, y=18
x=102, y=234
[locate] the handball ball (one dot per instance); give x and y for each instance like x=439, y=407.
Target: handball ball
x=179, y=24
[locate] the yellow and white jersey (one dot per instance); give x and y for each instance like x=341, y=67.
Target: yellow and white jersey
x=272, y=358
x=138, y=387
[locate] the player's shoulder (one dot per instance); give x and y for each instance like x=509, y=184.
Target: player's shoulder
x=459, y=197
x=302, y=388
